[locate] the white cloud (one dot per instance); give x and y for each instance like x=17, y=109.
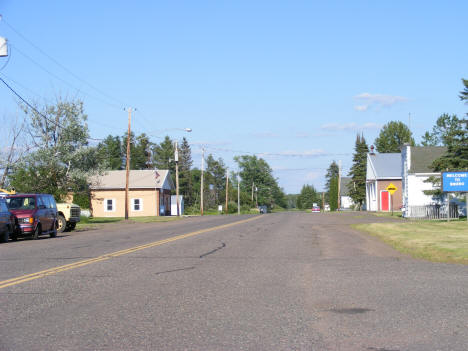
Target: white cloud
x=379, y=100
x=265, y=135
x=361, y=107
x=349, y=126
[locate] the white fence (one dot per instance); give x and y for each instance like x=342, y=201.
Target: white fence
x=432, y=212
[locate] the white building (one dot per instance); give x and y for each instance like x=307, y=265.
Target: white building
x=346, y=202
x=416, y=169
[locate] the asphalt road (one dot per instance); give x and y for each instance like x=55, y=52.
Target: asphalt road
x=288, y=281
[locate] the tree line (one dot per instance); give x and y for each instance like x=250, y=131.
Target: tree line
x=49, y=150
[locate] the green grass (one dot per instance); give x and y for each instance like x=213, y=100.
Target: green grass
x=434, y=241
x=396, y=214
x=87, y=223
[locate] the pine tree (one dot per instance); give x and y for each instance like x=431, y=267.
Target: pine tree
x=332, y=172
x=185, y=166
x=357, y=187
x=333, y=194
x=111, y=153
x=307, y=197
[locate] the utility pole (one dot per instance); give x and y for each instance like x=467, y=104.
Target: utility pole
x=252, y=191
x=176, y=159
x=201, y=183
x=339, y=184
x=323, y=201
x=227, y=189
x=127, y=167
x=238, y=194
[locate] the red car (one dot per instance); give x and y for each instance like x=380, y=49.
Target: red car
x=316, y=209
x=36, y=214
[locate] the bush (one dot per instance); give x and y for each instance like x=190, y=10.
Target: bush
x=81, y=200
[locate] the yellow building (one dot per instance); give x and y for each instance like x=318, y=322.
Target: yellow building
x=149, y=193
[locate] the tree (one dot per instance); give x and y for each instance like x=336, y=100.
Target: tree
x=332, y=172
x=163, y=154
x=392, y=137
x=307, y=197
x=464, y=93
x=357, y=186
x=61, y=160
x=333, y=194
x=110, y=153
x=215, y=180
x=185, y=166
x=13, y=146
x=140, y=156
x=256, y=171
x=443, y=132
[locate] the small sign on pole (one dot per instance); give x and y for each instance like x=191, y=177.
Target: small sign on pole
x=391, y=189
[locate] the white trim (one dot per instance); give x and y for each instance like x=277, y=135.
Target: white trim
x=140, y=203
x=105, y=205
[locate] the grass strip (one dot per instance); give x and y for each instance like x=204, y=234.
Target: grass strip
x=433, y=241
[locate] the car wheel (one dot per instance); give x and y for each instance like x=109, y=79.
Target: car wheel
x=37, y=232
x=14, y=234
x=53, y=233
x=5, y=236
x=62, y=224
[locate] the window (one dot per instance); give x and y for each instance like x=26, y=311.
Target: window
x=137, y=204
x=109, y=205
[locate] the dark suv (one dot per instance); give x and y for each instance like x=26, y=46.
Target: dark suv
x=36, y=214
x=7, y=222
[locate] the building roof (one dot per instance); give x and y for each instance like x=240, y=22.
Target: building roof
x=138, y=179
x=423, y=156
x=344, y=191
x=384, y=166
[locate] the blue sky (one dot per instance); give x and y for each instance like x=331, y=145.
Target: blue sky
x=293, y=81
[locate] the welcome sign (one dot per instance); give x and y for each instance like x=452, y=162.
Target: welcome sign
x=455, y=182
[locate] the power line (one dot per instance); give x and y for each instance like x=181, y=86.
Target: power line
x=63, y=80
x=34, y=109
x=61, y=65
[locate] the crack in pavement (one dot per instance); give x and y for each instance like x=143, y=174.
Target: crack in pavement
x=213, y=251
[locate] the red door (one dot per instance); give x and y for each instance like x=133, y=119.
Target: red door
x=384, y=200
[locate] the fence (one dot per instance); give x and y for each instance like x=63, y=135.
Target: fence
x=433, y=212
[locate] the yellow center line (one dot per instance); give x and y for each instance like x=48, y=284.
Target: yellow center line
x=55, y=270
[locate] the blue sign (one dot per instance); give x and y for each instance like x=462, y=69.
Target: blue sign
x=455, y=182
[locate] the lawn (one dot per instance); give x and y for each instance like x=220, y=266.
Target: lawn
x=434, y=241
x=90, y=223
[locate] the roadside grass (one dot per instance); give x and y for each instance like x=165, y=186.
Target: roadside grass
x=87, y=223
x=435, y=241
x=396, y=214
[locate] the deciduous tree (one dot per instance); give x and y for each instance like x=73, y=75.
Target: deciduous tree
x=392, y=137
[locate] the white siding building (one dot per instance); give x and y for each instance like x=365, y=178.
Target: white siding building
x=416, y=169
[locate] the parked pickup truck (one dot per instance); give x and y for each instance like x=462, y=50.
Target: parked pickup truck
x=68, y=216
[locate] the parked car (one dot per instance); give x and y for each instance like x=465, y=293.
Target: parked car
x=7, y=221
x=35, y=214
x=67, y=216
x=315, y=209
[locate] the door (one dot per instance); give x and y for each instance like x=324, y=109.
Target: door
x=384, y=200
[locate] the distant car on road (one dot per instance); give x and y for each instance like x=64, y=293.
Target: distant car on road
x=36, y=214
x=7, y=222
x=315, y=209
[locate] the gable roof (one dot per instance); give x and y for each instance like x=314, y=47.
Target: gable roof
x=423, y=156
x=138, y=179
x=384, y=166
x=344, y=191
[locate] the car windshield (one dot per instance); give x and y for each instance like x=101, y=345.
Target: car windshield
x=21, y=203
